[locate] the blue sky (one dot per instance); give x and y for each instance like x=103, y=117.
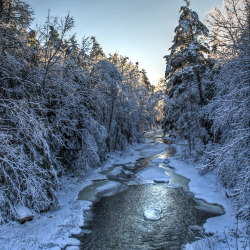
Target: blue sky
x=140, y=29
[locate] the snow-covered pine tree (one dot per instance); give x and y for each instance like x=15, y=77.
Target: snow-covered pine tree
x=186, y=68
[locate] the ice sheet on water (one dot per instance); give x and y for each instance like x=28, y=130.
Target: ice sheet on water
x=150, y=150
x=149, y=175
x=152, y=214
x=110, y=188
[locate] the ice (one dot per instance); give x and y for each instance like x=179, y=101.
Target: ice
x=55, y=227
x=152, y=173
x=158, y=160
x=72, y=248
x=152, y=214
x=116, y=171
x=151, y=150
x=110, y=188
x=205, y=187
x=76, y=231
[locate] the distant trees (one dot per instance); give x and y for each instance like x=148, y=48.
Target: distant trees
x=208, y=95
x=63, y=106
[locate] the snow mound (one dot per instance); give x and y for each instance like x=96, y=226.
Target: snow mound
x=152, y=214
x=23, y=212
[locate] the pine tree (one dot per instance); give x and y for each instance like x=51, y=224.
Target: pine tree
x=96, y=50
x=185, y=76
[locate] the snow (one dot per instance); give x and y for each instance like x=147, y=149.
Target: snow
x=116, y=171
x=23, y=212
x=152, y=214
x=150, y=174
x=204, y=187
x=50, y=230
x=72, y=248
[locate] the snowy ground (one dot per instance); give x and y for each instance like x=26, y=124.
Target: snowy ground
x=53, y=229
x=223, y=227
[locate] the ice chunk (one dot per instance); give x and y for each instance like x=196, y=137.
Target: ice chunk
x=152, y=214
x=75, y=231
x=72, y=248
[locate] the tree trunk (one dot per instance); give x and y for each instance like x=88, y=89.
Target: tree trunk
x=201, y=100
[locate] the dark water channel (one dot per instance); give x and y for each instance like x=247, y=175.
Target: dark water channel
x=118, y=221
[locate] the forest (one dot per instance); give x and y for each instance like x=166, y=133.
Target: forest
x=207, y=101
x=65, y=106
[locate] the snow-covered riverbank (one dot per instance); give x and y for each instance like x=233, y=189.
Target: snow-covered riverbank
x=53, y=229
x=226, y=228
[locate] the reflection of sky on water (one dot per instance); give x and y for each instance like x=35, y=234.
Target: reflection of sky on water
x=119, y=223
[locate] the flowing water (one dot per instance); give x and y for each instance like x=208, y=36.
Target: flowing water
x=119, y=220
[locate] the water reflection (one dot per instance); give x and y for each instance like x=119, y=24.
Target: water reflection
x=119, y=223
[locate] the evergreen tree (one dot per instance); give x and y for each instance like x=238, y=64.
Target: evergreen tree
x=145, y=80
x=96, y=50
x=185, y=75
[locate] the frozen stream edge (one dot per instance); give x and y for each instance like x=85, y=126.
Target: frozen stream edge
x=53, y=229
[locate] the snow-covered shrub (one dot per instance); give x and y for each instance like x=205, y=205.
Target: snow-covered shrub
x=228, y=155
x=28, y=173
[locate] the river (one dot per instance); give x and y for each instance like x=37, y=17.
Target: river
x=148, y=206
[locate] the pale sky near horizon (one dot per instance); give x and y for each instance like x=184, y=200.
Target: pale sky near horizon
x=142, y=30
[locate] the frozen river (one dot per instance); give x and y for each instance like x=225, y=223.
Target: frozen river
x=143, y=206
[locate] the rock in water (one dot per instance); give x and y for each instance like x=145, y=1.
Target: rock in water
x=152, y=214
x=161, y=180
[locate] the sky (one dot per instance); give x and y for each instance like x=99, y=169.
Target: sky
x=142, y=30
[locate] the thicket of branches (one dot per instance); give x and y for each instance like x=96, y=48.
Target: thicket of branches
x=208, y=95
x=63, y=106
